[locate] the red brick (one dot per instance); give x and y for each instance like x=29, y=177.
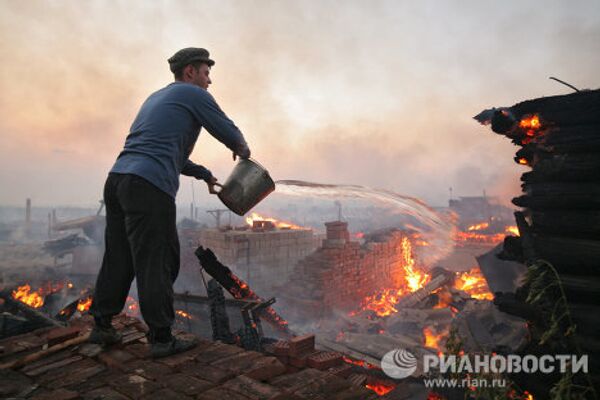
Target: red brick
x=291, y=382
x=281, y=348
x=253, y=389
x=115, y=358
x=147, y=369
x=265, y=368
x=60, y=335
x=298, y=362
x=237, y=363
x=324, y=360
x=56, y=374
x=302, y=345
x=207, y=373
x=60, y=394
x=283, y=359
x=132, y=337
x=325, y=385
x=134, y=386
x=221, y=393
x=166, y=394
x=343, y=370
x=139, y=350
x=216, y=352
x=50, y=366
x=78, y=377
x=104, y=393
x=186, y=384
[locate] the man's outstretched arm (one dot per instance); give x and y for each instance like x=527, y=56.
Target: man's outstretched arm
x=200, y=172
x=221, y=127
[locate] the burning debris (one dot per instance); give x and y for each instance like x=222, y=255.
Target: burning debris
x=558, y=231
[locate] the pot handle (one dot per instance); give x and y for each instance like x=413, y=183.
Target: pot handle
x=212, y=190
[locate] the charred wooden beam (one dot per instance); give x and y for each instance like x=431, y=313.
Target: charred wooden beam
x=197, y=299
x=237, y=287
x=28, y=311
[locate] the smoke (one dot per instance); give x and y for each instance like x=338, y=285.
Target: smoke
x=378, y=94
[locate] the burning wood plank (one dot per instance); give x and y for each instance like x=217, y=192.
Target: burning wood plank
x=437, y=282
x=237, y=287
x=28, y=311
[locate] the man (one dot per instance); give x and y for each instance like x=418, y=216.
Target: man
x=141, y=235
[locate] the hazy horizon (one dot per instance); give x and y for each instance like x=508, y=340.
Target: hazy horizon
x=379, y=94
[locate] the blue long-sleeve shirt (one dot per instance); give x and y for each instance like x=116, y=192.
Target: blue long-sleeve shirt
x=165, y=130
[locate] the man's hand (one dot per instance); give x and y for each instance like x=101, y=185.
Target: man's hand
x=243, y=152
x=212, y=182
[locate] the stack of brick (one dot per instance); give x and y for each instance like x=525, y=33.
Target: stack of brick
x=212, y=370
x=341, y=273
x=299, y=353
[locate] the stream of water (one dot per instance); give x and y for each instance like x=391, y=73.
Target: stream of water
x=436, y=229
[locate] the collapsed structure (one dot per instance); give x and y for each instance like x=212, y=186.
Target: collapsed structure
x=559, y=139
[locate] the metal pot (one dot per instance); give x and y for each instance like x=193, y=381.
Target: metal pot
x=247, y=185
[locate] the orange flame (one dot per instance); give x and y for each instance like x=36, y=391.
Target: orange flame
x=25, y=295
x=473, y=237
x=279, y=224
x=132, y=308
x=380, y=388
x=432, y=340
x=478, y=227
x=183, y=314
x=384, y=303
x=359, y=363
x=84, y=304
x=531, y=122
x=523, y=161
x=512, y=230
x=35, y=299
x=473, y=283
x=531, y=125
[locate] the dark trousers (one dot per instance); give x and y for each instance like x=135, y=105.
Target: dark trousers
x=141, y=241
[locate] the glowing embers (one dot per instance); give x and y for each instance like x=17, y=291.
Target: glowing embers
x=25, y=295
x=434, y=339
x=258, y=221
x=132, y=308
x=183, y=314
x=473, y=283
x=84, y=304
x=484, y=233
x=531, y=126
x=380, y=388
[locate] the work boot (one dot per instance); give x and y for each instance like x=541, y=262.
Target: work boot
x=104, y=333
x=174, y=346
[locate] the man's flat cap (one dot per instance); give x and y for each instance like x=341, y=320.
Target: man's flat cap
x=187, y=56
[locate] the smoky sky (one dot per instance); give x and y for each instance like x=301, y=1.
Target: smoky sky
x=377, y=93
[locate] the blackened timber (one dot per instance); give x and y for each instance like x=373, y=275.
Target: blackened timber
x=581, y=224
x=576, y=109
x=193, y=298
x=560, y=195
x=28, y=311
x=219, y=319
x=579, y=135
x=525, y=236
x=581, y=289
x=237, y=287
x=568, y=255
x=564, y=168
